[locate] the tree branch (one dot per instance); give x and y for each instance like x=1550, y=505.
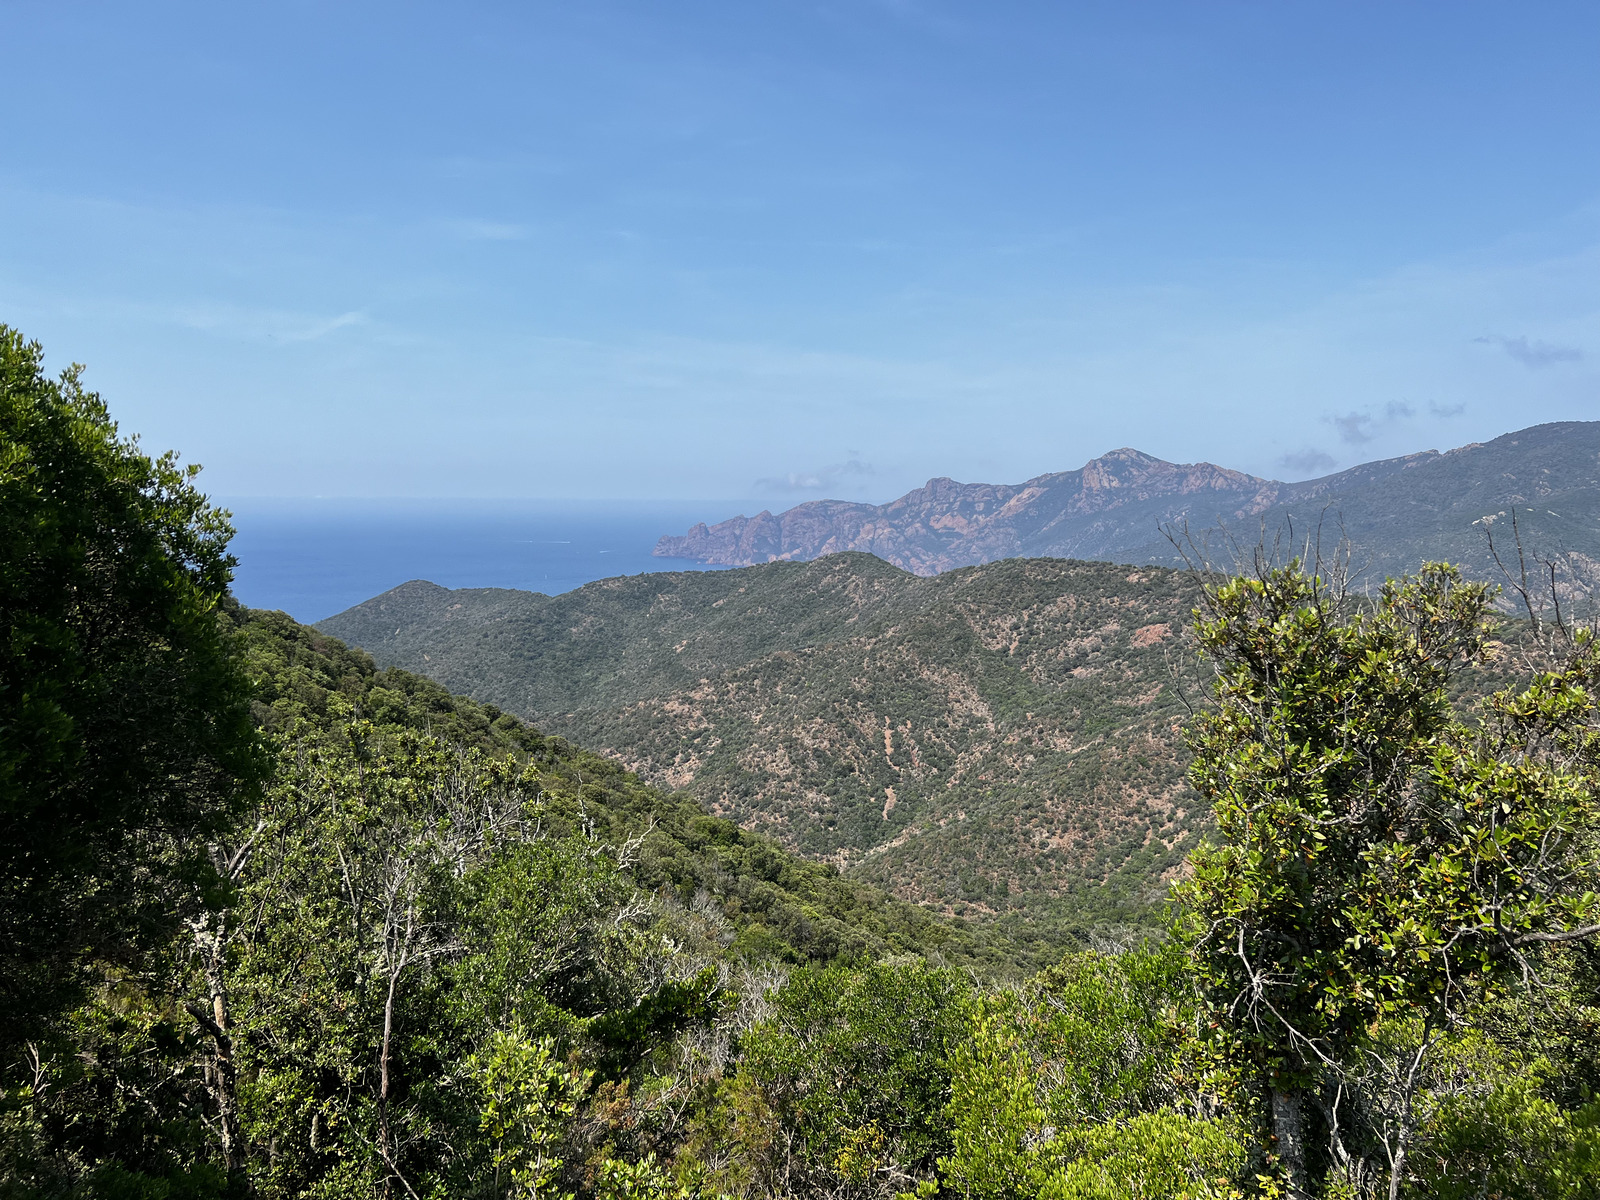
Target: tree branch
x=1570, y=935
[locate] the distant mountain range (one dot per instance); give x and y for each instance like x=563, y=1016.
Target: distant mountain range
x=1396, y=513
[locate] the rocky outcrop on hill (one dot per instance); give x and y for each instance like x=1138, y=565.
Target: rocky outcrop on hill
x=1114, y=505
x=1119, y=507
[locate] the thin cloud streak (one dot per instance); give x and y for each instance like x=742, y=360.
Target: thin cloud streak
x=487, y=231
x=267, y=325
x=829, y=478
x=1532, y=353
x=1308, y=462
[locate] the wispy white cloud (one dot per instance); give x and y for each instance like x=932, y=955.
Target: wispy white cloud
x=256, y=324
x=1531, y=353
x=486, y=231
x=823, y=479
x=235, y=322
x=1308, y=461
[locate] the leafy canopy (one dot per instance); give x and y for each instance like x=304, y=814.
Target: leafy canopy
x=1382, y=863
x=124, y=718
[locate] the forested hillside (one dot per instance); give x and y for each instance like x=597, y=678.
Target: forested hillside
x=458, y=957
x=776, y=906
x=421, y=871
x=281, y=925
x=1002, y=740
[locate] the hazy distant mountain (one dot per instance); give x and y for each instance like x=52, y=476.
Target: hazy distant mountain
x=1397, y=512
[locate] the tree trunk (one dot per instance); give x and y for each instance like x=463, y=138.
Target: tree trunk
x=211, y=935
x=385, y=1139
x=1289, y=1130
x=1397, y=1173
x=224, y=1076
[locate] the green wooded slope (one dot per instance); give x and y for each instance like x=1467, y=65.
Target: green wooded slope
x=779, y=906
x=1002, y=740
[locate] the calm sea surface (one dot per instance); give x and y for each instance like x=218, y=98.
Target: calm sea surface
x=316, y=558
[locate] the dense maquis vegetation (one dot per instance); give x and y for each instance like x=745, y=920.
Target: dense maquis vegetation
x=123, y=718
x=397, y=943
x=1003, y=742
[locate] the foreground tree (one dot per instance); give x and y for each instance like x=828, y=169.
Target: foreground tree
x=1087, y=1083
x=841, y=1091
x=1382, y=865
x=125, y=736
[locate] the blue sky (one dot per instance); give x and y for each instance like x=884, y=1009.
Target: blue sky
x=772, y=251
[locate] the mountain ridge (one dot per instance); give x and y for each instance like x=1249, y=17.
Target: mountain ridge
x=1117, y=508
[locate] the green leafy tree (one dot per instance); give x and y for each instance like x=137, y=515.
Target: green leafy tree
x=529, y=1096
x=1380, y=862
x=112, y=1102
x=357, y=912
x=1088, y=1082
x=125, y=733
x=1489, y=1127
x=646, y=1179
x=416, y=942
x=842, y=1090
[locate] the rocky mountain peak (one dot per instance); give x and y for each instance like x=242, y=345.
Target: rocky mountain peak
x=1116, y=506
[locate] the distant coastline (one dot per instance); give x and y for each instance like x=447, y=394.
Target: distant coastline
x=314, y=558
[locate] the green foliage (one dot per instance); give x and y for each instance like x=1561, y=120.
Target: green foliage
x=1000, y=741
x=1087, y=1083
x=1556, y=1022
x=1379, y=862
x=112, y=1103
x=1513, y=1143
x=426, y=922
x=642, y=1180
x=529, y=1096
x=1490, y=1128
x=1161, y=1155
x=842, y=1088
x=1310, y=759
x=413, y=902
x=624, y=1036
x=778, y=906
x=124, y=713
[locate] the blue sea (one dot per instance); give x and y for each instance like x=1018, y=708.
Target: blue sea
x=315, y=558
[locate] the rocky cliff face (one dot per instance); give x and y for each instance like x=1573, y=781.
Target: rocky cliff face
x=1113, y=507
x=1397, y=512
